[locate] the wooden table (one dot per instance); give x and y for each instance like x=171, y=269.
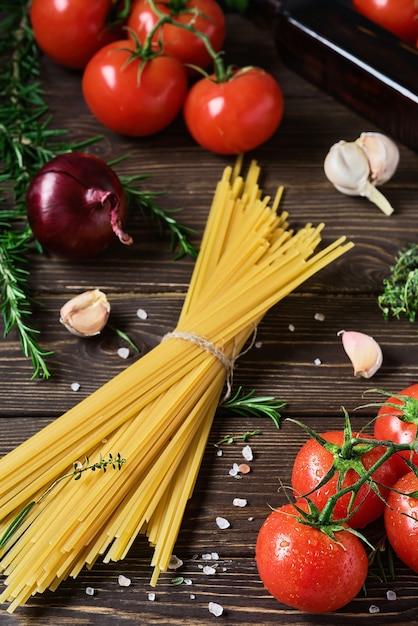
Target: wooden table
x=146, y=276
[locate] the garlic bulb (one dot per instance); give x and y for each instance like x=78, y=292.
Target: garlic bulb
x=363, y=351
x=356, y=167
x=86, y=315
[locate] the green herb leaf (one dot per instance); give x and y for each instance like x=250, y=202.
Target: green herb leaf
x=400, y=293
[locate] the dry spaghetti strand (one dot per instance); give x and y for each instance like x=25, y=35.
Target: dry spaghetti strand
x=159, y=411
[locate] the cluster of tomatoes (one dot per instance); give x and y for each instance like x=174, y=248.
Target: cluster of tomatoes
x=400, y=17
x=140, y=73
x=309, y=553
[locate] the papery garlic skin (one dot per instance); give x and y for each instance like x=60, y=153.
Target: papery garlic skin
x=87, y=314
x=382, y=154
x=356, y=167
x=363, y=351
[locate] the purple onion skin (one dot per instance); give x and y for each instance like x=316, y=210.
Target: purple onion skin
x=76, y=206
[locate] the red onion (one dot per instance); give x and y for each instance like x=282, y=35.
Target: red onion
x=76, y=205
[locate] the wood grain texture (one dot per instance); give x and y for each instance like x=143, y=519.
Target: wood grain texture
x=145, y=276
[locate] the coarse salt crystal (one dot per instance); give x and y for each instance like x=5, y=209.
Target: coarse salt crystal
x=374, y=609
x=319, y=317
x=247, y=453
x=241, y=502
x=222, y=523
x=291, y=327
x=123, y=353
x=258, y=344
x=210, y=556
x=209, y=570
x=391, y=595
x=75, y=386
x=124, y=581
x=174, y=562
x=188, y=581
x=243, y=468
x=215, y=608
x=234, y=470
x=219, y=452
x=142, y=314
x=151, y=597
x=192, y=596
x=317, y=361
x=90, y=591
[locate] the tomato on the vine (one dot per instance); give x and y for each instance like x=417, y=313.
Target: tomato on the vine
x=314, y=461
x=397, y=16
x=235, y=114
x=71, y=32
x=303, y=567
x=204, y=16
x=400, y=425
x=130, y=95
x=401, y=519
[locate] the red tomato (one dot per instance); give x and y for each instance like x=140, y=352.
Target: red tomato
x=313, y=462
x=398, y=16
x=185, y=45
x=236, y=115
x=71, y=31
x=130, y=95
x=401, y=520
x=388, y=424
x=304, y=568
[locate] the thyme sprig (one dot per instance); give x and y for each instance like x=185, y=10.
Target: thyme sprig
x=400, y=288
x=78, y=470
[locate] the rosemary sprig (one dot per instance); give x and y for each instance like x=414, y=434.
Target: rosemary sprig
x=228, y=439
x=146, y=201
x=27, y=142
x=250, y=405
x=78, y=469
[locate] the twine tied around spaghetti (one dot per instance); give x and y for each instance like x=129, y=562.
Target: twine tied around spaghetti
x=209, y=346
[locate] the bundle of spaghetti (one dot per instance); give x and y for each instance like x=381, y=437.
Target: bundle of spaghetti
x=158, y=412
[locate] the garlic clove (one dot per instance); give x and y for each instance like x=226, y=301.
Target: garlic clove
x=356, y=167
x=382, y=154
x=346, y=167
x=363, y=351
x=87, y=314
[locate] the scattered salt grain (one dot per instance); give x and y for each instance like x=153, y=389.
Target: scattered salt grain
x=391, y=595
x=90, y=591
x=75, y=386
x=192, y=596
x=215, y=608
x=210, y=556
x=244, y=468
x=319, y=317
x=258, y=344
x=208, y=570
x=142, y=314
x=222, y=523
x=174, y=562
x=219, y=452
x=247, y=453
x=317, y=361
x=241, y=502
x=374, y=609
x=234, y=470
x=151, y=597
x=188, y=581
x=123, y=353
x=291, y=327
x=123, y=581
